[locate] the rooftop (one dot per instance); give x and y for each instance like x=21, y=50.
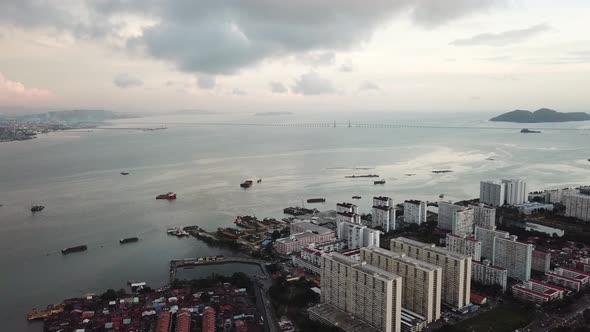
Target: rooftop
x=381, y=198
x=384, y=208
x=340, y=318
x=296, y=237
x=413, y=201
x=490, y=266
x=368, y=269
x=308, y=226
x=346, y=205
x=530, y=291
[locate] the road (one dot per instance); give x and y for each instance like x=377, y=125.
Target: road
x=557, y=321
x=264, y=305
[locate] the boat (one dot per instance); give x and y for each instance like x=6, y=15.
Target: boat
x=410, y=174
x=259, y=181
x=362, y=176
x=379, y=182
x=37, y=208
x=528, y=131
x=316, y=200
x=356, y=197
x=168, y=196
x=124, y=173
x=177, y=231
x=490, y=158
x=246, y=184
x=51, y=309
x=74, y=249
x=129, y=240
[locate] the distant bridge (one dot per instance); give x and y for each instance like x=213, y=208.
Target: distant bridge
x=185, y=262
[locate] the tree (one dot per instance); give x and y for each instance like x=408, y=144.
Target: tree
x=276, y=235
x=109, y=295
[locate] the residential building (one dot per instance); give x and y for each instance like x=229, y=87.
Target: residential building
x=163, y=322
x=492, y=192
x=309, y=259
x=515, y=256
x=183, y=320
x=421, y=281
x=515, y=192
x=296, y=242
x=541, y=261
x=464, y=245
x=538, y=292
x=208, y=319
x=456, y=268
x=583, y=266
x=455, y=218
x=533, y=207
x=415, y=212
x=577, y=205
x=412, y=322
x=487, y=236
x=383, y=213
x=302, y=226
x=347, y=212
x=488, y=274
x=563, y=281
x=357, y=236
x=583, y=277
x=368, y=293
x=484, y=216
x=328, y=314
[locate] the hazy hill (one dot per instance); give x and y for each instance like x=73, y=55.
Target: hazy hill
x=74, y=116
x=541, y=115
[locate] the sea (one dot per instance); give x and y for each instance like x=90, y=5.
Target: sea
x=204, y=158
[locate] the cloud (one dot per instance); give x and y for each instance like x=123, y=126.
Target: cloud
x=316, y=58
x=346, y=68
x=239, y=92
x=369, y=86
x=278, y=87
x=503, y=38
x=13, y=91
x=312, y=84
x=431, y=13
x=124, y=80
x=206, y=82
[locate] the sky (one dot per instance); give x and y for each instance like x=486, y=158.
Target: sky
x=300, y=56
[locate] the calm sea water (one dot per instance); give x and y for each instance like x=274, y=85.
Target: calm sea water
x=76, y=176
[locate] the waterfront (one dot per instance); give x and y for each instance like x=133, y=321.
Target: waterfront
x=76, y=176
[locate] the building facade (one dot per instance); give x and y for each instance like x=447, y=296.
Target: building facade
x=455, y=218
x=515, y=256
x=484, y=216
x=488, y=274
x=421, y=281
x=492, y=192
x=456, y=268
x=515, y=192
x=487, y=236
x=383, y=213
x=368, y=293
x=357, y=236
x=415, y=212
x=538, y=292
x=577, y=206
x=347, y=212
x=464, y=245
x=296, y=242
x=541, y=261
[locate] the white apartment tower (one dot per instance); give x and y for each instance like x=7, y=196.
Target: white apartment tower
x=347, y=212
x=484, y=216
x=357, y=236
x=515, y=192
x=421, y=281
x=383, y=213
x=464, y=245
x=458, y=219
x=456, y=268
x=415, y=212
x=577, y=205
x=487, y=237
x=516, y=257
x=492, y=192
x=368, y=293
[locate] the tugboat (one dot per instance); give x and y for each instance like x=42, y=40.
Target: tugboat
x=259, y=181
x=129, y=240
x=246, y=184
x=356, y=197
x=37, y=208
x=379, y=182
x=168, y=196
x=124, y=173
x=74, y=249
x=528, y=131
x=316, y=200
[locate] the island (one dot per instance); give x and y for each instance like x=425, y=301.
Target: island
x=540, y=115
x=272, y=113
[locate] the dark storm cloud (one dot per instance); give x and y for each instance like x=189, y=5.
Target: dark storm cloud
x=503, y=38
x=222, y=37
x=124, y=80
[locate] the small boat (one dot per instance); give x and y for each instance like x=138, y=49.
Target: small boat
x=379, y=182
x=316, y=200
x=124, y=173
x=129, y=240
x=410, y=174
x=168, y=196
x=246, y=184
x=356, y=197
x=528, y=131
x=74, y=249
x=37, y=208
x=259, y=181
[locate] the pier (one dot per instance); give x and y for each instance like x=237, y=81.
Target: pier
x=215, y=260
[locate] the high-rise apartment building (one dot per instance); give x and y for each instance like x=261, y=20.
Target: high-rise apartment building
x=415, y=212
x=541, y=261
x=456, y=268
x=208, y=319
x=455, y=218
x=484, y=216
x=347, y=212
x=368, y=293
x=383, y=213
x=465, y=245
x=577, y=205
x=487, y=236
x=488, y=274
x=492, y=192
x=357, y=236
x=421, y=281
x=515, y=192
x=515, y=256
